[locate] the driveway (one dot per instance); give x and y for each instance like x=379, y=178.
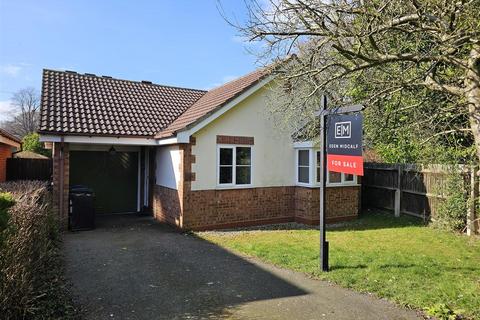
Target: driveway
x=131, y=267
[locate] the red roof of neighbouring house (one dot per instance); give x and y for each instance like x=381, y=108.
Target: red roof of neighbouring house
x=85, y=104
x=10, y=136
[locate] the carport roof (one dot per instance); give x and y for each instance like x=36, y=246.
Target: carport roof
x=86, y=104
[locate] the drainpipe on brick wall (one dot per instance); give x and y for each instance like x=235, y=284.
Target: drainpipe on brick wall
x=62, y=169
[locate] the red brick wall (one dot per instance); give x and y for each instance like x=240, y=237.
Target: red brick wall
x=209, y=209
x=57, y=159
x=213, y=209
x=235, y=140
x=342, y=204
x=167, y=205
x=5, y=152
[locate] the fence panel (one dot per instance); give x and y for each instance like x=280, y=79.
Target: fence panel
x=29, y=169
x=409, y=189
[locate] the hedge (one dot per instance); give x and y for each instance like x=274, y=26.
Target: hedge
x=31, y=270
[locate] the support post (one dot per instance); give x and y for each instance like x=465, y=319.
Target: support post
x=398, y=192
x=323, y=183
x=61, y=187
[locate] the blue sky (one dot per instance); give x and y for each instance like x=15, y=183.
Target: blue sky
x=175, y=42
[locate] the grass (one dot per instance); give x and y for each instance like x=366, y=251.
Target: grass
x=396, y=258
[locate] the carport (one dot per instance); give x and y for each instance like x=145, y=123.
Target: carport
x=118, y=175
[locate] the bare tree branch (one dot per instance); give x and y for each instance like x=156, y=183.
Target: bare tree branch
x=26, y=105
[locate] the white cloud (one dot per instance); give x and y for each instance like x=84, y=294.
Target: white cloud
x=10, y=69
x=6, y=110
x=13, y=69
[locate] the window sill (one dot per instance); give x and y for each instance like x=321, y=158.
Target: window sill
x=301, y=184
x=330, y=185
x=233, y=186
x=336, y=185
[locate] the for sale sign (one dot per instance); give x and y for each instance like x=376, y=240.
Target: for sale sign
x=344, y=144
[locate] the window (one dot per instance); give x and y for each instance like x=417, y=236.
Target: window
x=318, y=165
x=235, y=165
x=333, y=177
x=243, y=165
x=226, y=166
x=340, y=178
x=304, y=166
x=309, y=169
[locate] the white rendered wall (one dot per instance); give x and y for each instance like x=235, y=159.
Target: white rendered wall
x=168, y=161
x=273, y=156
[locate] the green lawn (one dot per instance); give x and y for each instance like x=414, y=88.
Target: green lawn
x=396, y=258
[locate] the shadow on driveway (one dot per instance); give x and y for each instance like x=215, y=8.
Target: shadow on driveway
x=134, y=268
x=131, y=267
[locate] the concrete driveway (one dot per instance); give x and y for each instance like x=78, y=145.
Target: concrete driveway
x=134, y=268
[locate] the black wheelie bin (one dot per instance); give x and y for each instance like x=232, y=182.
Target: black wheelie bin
x=81, y=208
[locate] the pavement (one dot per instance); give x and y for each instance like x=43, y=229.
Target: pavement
x=132, y=267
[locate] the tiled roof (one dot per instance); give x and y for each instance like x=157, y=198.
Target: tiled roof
x=86, y=104
x=28, y=155
x=9, y=136
x=214, y=99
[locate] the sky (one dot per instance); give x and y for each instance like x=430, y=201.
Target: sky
x=184, y=43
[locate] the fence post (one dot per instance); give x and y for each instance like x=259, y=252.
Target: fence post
x=398, y=191
x=472, y=204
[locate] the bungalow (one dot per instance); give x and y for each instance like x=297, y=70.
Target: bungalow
x=194, y=159
x=8, y=145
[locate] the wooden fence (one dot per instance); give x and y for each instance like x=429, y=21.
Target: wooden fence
x=29, y=169
x=415, y=190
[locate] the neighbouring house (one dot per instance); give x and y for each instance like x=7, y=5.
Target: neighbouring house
x=195, y=159
x=8, y=144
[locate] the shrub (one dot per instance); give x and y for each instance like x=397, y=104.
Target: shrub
x=31, y=283
x=6, y=201
x=451, y=214
x=442, y=312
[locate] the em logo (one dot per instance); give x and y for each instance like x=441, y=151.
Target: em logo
x=343, y=130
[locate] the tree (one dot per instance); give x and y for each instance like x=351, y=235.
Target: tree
x=31, y=142
x=26, y=103
x=403, y=54
x=403, y=127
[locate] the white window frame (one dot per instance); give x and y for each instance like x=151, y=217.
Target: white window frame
x=234, y=166
x=297, y=166
x=313, y=183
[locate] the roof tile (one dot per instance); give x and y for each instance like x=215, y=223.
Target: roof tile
x=213, y=100
x=73, y=103
x=119, y=107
